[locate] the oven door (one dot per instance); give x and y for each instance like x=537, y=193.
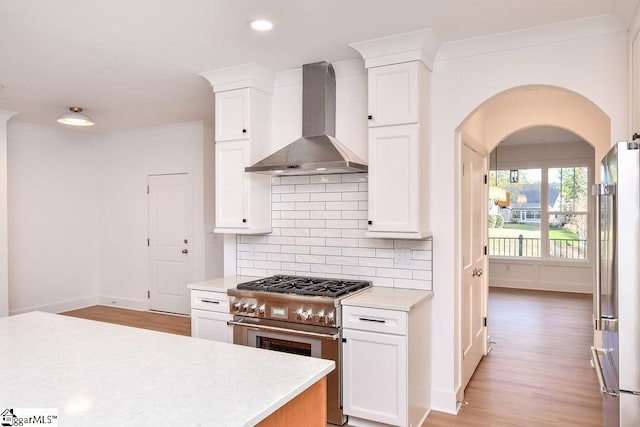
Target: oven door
x=307, y=340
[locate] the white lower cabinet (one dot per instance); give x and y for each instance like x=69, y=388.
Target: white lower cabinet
x=375, y=376
x=386, y=365
x=209, y=316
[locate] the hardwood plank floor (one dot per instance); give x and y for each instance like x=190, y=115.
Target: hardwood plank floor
x=538, y=373
x=180, y=325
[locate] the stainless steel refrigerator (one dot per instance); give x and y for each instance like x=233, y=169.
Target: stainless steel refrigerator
x=617, y=285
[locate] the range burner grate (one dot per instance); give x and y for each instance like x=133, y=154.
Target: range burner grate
x=300, y=285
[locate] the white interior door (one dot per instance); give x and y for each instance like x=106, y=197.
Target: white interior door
x=474, y=288
x=170, y=242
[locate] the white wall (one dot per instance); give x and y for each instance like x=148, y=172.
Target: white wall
x=588, y=57
x=126, y=160
x=53, y=260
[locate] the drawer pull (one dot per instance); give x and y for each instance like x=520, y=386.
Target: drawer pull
x=210, y=301
x=365, y=319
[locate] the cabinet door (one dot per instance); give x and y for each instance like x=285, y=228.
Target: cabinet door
x=393, y=94
x=231, y=184
x=211, y=326
x=375, y=376
x=393, y=178
x=232, y=115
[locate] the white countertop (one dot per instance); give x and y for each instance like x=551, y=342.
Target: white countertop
x=222, y=284
x=388, y=298
x=101, y=374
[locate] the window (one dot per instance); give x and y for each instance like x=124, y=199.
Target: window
x=549, y=202
x=517, y=232
x=568, y=212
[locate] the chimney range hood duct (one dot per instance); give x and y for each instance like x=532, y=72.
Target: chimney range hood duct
x=318, y=151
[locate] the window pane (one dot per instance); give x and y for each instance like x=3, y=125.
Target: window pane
x=514, y=224
x=568, y=236
x=568, y=189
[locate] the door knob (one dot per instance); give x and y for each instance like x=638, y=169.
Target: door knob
x=185, y=251
x=477, y=272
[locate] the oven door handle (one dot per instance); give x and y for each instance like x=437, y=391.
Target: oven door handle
x=290, y=331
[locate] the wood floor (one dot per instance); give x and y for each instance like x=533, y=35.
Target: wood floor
x=538, y=373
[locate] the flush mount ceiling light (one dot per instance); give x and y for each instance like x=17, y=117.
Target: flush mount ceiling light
x=261, y=24
x=75, y=117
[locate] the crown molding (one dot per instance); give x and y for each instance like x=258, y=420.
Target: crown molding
x=241, y=76
x=420, y=45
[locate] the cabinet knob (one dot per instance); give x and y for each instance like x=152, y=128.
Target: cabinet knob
x=244, y=131
x=370, y=222
x=244, y=220
x=635, y=136
x=370, y=117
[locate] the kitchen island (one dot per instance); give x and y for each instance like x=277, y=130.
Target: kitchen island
x=102, y=374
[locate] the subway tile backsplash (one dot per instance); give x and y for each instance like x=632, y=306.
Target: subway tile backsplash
x=319, y=226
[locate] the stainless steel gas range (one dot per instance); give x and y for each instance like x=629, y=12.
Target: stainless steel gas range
x=295, y=314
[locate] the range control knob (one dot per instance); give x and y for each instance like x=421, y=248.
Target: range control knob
x=258, y=309
x=328, y=318
x=245, y=307
x=299, y=313
x=319, y=316
x=306, y=315
x=237, y=306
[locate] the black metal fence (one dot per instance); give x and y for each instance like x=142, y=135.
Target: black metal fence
x=530, y=247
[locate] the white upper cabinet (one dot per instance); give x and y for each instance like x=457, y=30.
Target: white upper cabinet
x=243, y=200
x=399, y=152
x=231, y=185
x=393, y=94
x=243, y=137
x=232, y=115
x=393, y=179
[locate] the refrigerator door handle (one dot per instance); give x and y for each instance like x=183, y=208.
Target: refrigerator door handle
x=595, y=356
x=598, y=191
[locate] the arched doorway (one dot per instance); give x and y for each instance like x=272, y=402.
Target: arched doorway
x=499, y=117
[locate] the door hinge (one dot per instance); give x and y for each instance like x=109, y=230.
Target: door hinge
x=486, y=179
x=148, y=241
x=149, y=295
x=485, y=249
x=485, y=322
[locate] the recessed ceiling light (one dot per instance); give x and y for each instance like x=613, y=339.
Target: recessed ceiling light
x=261, y=25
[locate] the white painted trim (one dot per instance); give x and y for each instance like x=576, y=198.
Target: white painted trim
x=627, y=11
x=241, y=76
x=543, y=286
x=420, y=45
x=60, y=306
x=132, y=304
x=444, y=401
x=545, y=34
x=4, y=220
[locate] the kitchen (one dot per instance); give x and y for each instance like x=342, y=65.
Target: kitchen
x=113, y=267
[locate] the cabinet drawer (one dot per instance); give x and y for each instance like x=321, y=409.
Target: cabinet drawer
x=210, y=301
x=374, y=320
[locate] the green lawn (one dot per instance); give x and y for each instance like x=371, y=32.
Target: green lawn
x=531, y=231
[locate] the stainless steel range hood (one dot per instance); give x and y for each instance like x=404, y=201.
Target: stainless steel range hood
x=318, y=151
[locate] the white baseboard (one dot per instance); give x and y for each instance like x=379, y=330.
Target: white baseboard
x=132, y=304
x=444, y=401
x=579, y=288
x=59, y=307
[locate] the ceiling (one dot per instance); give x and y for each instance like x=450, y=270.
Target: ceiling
x=541, y=135
x=135, y=63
